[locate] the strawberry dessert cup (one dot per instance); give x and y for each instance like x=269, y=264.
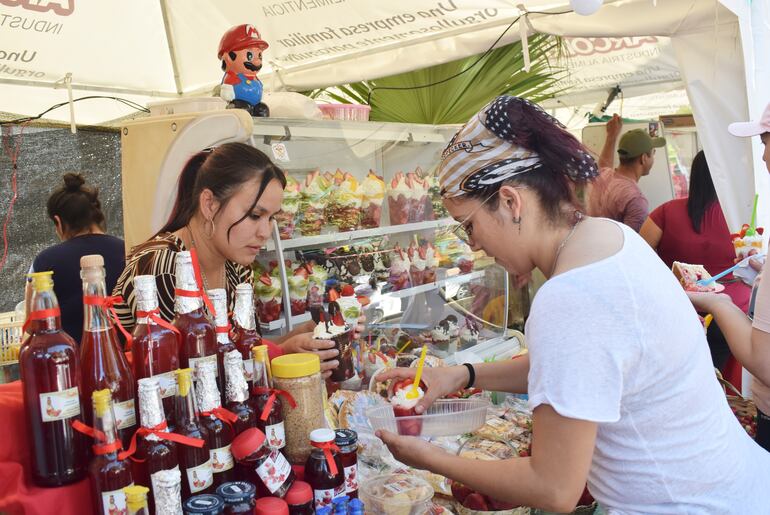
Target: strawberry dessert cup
x=372, y=197
x=403, y=406
x=268, y=292
x=399, y=270
x=298, y=289
x=398, y=200
x=341, y=334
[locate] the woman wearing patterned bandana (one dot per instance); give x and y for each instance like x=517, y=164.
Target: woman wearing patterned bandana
x=619, y=376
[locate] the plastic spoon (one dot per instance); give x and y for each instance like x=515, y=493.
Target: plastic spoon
x=752, y=230
x=413, y=393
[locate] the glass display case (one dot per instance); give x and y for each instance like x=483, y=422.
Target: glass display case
x=362, y=209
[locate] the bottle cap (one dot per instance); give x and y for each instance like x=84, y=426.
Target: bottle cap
x=101, y=400
x=341, y=505
x=237, y=491
x=324, y=510
x=322, y=436
x=42, y=281
x=136, y=496
x=290, y=366
x=356, y=506
x=345, y=437
x=271, y=506
x=91, y=260
x=205, y=504
x=300, y=493
x=246, y=443
x=183, y=380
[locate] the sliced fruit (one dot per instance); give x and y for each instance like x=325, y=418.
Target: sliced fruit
x=348, y=291
x=476, y=501
x=460, y=491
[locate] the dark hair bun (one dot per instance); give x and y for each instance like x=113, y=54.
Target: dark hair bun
x=73, y=182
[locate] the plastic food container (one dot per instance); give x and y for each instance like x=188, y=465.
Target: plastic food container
x=393, y=494
x=446, y=417
x=349, y=112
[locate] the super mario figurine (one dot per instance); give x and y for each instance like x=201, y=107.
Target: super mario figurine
x=240, y=50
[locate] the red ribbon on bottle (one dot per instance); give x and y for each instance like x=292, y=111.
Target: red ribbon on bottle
x=222, y=414
x=40, y=314
x=153, y=315
x=108, y=303
x=223, y=329
x=99, y=449
x=160, y=432
x=274, y=393
x=199, y=280
x=327, y=448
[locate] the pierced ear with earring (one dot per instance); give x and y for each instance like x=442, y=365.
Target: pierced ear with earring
x=517, y=221
x=213, y=228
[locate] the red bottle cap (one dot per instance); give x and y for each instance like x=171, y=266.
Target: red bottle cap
x=247, y=443
x=271, y=506
x=300, y=493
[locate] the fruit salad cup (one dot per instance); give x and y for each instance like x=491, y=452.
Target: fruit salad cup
x=313, y=199
x=418, y=197
x=372, y=197
x=269, y=298
x=298, y=289
x=287, y=216
x=399, y=270
x=398, y=200
x=748, y=242
x=403, y=406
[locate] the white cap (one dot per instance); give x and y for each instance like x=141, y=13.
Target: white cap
x=322, y=436
x=749, y=129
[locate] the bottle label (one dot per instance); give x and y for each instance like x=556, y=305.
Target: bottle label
x=60, y=405
x=167, y=382
x=125, y=414
x=248, y=370
x=274, y=471
x=200, y=477
x=194, y=361
x=221, y=459
x=340, y=490
x=154, y=479
x=323, y=497
x=114, y=501
x=276, y=436
x=351, y=479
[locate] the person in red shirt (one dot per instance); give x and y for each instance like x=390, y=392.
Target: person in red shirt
x=694, y=230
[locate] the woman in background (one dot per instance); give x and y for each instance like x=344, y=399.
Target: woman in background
x=76, y=213
x=694, y=230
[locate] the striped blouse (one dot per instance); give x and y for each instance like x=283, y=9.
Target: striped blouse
x=158, y=257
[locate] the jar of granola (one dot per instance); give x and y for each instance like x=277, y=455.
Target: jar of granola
x=300, y=375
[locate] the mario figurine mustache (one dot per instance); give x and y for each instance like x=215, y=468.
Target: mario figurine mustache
x=240, y=51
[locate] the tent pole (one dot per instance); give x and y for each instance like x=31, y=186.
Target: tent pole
x=171, y=49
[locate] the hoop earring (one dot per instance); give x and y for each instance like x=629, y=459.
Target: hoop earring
x=213, y=228
x=517, y=221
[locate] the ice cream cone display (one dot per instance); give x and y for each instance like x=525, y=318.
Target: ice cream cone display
x=298, y=288
x=399, y=199
x=314, y=195
x=372, y=197
x=267, y=290
x=287, y=216
x=399, y=270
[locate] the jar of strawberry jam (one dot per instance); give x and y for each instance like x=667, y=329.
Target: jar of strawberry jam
x=347, y=441
x=259, y=464
x=323, y=469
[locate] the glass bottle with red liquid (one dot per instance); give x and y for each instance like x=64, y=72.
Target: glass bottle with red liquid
x=267, y=403
x=197, y=336
x=217, y=422
x=323, y=469
x=155, y=349
x=101, y=357
x=245, y=334
x=108, y=472
x=153, y=453
x=194, y=462
x=237, y=393
x=50, y=380
x=258, y=464
x=218, y=298
x=347, y=441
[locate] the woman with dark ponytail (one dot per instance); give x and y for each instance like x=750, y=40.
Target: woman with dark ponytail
x=226, y=200
x=76, y=212
x=618, y=373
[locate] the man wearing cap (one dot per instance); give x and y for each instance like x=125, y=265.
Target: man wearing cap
x=616, y=194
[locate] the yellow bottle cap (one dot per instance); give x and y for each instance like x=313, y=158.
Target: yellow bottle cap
x=136, y=497
x=101, y=400
x=296, y=365
x=260, y=353
x=42, y=281
x=183, y=380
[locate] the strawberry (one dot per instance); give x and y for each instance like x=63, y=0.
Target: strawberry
x=348, y=291
x=422, y=252
x=273, y=264
x=476, y=502
x=460, y=491
x=338, y=319
x=333, y=295
x=760, y=230
x=735, y=236
x=406, y=383
x=744, y=228
x=265, y=279
x=363, y=300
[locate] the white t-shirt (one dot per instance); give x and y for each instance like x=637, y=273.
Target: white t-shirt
x=617, y=342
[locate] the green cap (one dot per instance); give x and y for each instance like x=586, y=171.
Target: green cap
x=637, y=142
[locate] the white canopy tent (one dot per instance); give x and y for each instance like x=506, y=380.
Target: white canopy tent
x=150, y=50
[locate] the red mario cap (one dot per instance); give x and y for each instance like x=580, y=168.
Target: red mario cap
x=240, y=37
